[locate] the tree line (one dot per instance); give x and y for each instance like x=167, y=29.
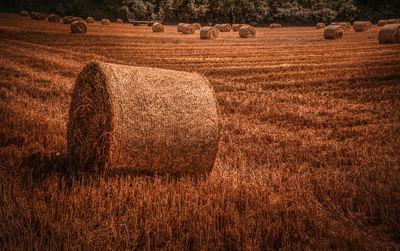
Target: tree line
x=255, y=12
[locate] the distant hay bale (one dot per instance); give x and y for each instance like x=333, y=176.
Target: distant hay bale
x=320, y=25
x=362, y=26
x=144, y=119
x=223, y=27
x=77, y=19
x=197, y=26
x=382, y=22
x=236, y=27
x=393, y=21
x=209, y=32
x=157, y=27
x=90, y=20
x=274, y=26
x=54, y=18
x=33, y=14
x=345, y=25
x=333, y=32
x=247, y=31
x=105, y=21
x=389, y=34
x=39, y=16
x=188, y=29
x=78, y=27
x=24, y=13
x=68, y=19
x=120, y=21
x=180, y=26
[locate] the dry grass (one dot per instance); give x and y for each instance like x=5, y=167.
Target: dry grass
x=309, y=152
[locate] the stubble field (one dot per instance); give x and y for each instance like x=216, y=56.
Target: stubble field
x=309, y=153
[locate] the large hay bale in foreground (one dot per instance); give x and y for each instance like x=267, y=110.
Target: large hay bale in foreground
x=78, y=27
x=209, y=32
x=362, y=26
x=145, y=119
x=53, y=18
x=157, y=27
x=24, y=13
x=247, y=31
x=68, y=19
x=382, y=22
x=236, y=27
x=320, y=25
x=180, y=26
x=90, y=20
x=389, y=34
x=333, y=32
x=120, y=21
x=105, y=21
x=274, y=26
x=197, y=26
x=393, y=21
x=188, y=29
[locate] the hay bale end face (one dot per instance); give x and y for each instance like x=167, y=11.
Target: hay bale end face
x=362, y=26
x=153, y=120
x=180, y=26
x=68, y=19
x=24, y=13
x=90, y=20
x=382, y=22
x=389, y=34
x=188, y=29
x=320, y=25
x=53, y=18
x=157, y=27
x=275, y=26
x=78, y=27
x=197, y=26
x=209, y=32
x=105, y=21
x=120, y=21
x=333, y=32
x=247, y=32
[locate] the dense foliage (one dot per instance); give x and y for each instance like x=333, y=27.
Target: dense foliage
x=289, y=12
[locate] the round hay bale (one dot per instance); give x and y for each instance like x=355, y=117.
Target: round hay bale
x=90, y=20
x=53, y=18
x=209, y=32
x=275, y=26
x=145, y=119
x=362, y=26
x=24, y=13
x=188, y=29
x=68, y=19
x=247, y=31
x=120, y=21
x=77, y=19
x=393, y=21
x=320, y=25
x=180, y=26
x=105, y=21
x=223, y=27
x=333, y=32
x=33, y=14
x=157, y=27
x=389, y=34
x=236, y=27
x=382, y=22
x=78, y=27
x=197, y=26
x=39, y=16
x=345, y=25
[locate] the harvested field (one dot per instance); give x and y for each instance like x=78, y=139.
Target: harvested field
x=309, y=150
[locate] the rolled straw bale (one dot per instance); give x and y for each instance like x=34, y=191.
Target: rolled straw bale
x=39, y=16
x=393, y=21
x=320, y=25
x=345, y=25
x=274, y=26
x=382, y=22
x=77, y=19
x=105, y=21
x=223, y=27
x=33, y=14
x=90, y=20
x=236, y=27
x=362, y=26
x=145, y=119
x=247, y=31
x=24, y=13
x=333, y=32
x=54, y=18
x=197, y=26
x=67, y=19
x=389, y=34
x=209, y=32
x=120, y=21
x=188, y=29
x=157, y=27
x=78, y=27
x=180, y=26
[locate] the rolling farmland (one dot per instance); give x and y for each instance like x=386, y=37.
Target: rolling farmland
x=309, y=151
